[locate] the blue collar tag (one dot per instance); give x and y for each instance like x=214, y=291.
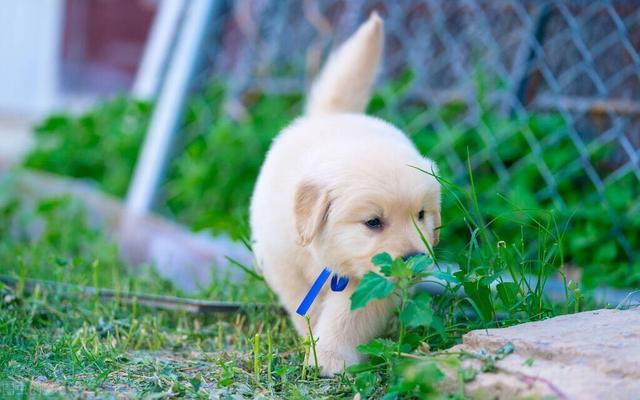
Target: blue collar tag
x=338, y=284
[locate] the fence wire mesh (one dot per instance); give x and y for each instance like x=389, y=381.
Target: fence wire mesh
x=541, y=97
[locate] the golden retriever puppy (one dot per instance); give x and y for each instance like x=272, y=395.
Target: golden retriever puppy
x=338, y=187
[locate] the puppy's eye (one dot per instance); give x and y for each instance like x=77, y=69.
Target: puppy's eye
x=373, y=223
x=421, y=215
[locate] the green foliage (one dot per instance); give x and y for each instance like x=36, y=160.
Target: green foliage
x=518, y=267
x=417, y=311
x=530, y=160
x=400, y=361
x=417, y=378
x=210, y=183
x=372, y=286
x=101, y=145
x=410, y=375
x=533, y=163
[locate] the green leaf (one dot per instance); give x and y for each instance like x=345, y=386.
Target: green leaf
x=383, y=261
x=400, y=268
x=61, y=262
x=446, y=276
x=438, y=325
x=378, y=347
x=417, y=311
x=364, y=366
x=196, y=383
x=421, y=376
x=372, y=286
x=411, y=340
x=366, y=383
x=467, y=374
x=419, y=264
x=481, y=296
x=508, y=293
x=606, y=252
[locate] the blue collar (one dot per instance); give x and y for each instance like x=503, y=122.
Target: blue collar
x=338, y=284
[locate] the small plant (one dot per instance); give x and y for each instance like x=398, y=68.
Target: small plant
x=312, y=344
x=406, y=361
x=256, y=358
x=503, y=281
x=416, y=322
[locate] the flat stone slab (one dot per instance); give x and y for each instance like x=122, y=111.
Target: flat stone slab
x=186, y=258
x=589, y=355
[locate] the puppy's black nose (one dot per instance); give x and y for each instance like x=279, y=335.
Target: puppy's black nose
x=412, y=254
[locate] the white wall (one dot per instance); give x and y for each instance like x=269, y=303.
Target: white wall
x=30, y=45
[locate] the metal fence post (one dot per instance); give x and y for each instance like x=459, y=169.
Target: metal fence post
x=162, y=38
x=168, y=110
x=535, y=40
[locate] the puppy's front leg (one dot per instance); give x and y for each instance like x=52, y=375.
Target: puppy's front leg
x=339, y=330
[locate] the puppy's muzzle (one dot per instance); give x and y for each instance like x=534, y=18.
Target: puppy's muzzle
x=412, y=254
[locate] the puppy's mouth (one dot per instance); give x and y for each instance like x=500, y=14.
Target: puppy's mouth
x=358, y=269
x=354, y=271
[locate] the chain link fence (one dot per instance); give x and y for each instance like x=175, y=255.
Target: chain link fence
x=540, y=98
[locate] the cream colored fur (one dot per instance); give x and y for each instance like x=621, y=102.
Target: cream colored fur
x=353, y=66
x=325, y=175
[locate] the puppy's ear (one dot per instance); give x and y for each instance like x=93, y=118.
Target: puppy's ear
x=310, y=208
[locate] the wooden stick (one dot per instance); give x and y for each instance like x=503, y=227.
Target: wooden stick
x=191, y=306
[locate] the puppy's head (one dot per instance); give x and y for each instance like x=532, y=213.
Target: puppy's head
x=368, y=206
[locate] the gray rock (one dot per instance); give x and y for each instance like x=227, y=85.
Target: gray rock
x=186, y=258
x=589, y=355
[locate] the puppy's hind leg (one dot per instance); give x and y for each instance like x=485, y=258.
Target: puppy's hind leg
x=339, y=330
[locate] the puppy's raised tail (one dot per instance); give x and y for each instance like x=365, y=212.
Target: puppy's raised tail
x=345, y=83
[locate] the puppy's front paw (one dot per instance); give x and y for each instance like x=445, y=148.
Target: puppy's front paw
x=333, y=362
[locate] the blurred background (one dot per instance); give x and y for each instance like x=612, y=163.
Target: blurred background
x=170, y=105
x=63, y=56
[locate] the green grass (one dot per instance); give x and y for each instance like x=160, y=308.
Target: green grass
x=68, y=344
